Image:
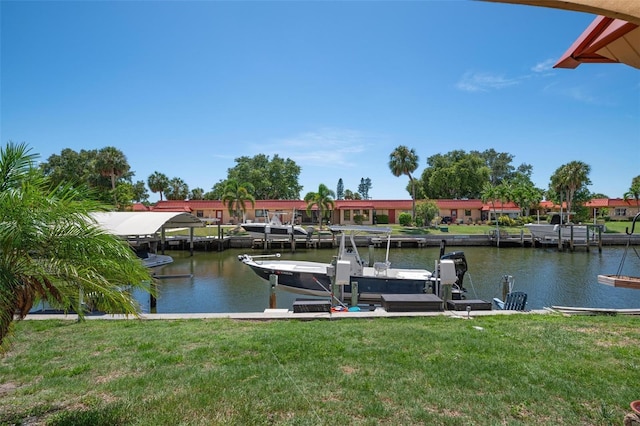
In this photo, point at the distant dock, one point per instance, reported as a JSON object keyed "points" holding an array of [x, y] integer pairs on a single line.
{"points": [[418, 241]]}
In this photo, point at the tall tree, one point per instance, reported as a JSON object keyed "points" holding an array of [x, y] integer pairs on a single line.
{"points": [[70, 166], [177, 189], [323, 200], [456, 174], [570, 178], [196, 194], [158, 182], [217, 191], [634, 191], [364, 187], [340, 190], [525, 194], [504, 191], [490, 194], [124, 194], [112, 163], [51, 250], [499, 164], [348, 194], [140, 193], [236, 196], [404, 161], [87, 168], [272, 179]]}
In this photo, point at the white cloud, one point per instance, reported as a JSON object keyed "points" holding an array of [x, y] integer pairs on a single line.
{"points": [[543, 66], [324, 148], [484, 82]]}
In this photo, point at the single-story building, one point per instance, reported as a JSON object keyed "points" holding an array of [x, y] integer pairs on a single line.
{"points": [[346, 212]]}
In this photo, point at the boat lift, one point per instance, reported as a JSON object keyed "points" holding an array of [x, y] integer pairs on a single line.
{"points": [[619, 280]]}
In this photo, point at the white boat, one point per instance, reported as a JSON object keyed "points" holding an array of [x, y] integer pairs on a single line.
{"points": [[551, 231], [274, 229], [315, 278], [152, 260]]}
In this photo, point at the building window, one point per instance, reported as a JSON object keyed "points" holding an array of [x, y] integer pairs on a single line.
{"points": [[467, 212], [199, 213], [365, 213], [347, 215], [620, 212], [262, 213]]}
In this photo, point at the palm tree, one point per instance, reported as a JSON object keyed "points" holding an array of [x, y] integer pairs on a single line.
{"points": [[490, 193], [51, 249], [634, 191], [196, 194], [323, 199], [404, 161], [504, 191], [111, 162], [236, 196], [158, 182], [568, 179], [177, 189]]}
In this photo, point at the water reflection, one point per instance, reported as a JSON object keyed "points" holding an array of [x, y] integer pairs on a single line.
{"points": [[220, 283]]}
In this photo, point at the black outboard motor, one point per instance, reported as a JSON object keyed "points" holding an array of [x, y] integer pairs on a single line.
{"points": [[460, 263]]}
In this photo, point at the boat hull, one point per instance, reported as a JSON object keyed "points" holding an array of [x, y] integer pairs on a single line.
{"points": [[259, 230], [314, 281]]}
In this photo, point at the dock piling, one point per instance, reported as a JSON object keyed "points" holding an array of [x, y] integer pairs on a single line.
{"points": [[273, 280]]}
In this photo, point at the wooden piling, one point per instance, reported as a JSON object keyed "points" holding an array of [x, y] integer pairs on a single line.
{"points": [[152, 300], [273, 280], [571, 244]]}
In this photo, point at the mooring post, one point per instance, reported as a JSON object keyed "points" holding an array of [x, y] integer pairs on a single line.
{"points": [[600, 238], [354, 293], [505, 287], [371, 259], [191, 240], [571, 246], [588, 241], [559, 237], [152, 299], [273, 280]]}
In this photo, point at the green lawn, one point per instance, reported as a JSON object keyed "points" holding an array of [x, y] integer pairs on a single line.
{"points": [[495, 370]]}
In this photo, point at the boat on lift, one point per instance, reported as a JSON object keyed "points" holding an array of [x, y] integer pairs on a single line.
{"points": [[549, 232], [274, 228], [315, 278]]}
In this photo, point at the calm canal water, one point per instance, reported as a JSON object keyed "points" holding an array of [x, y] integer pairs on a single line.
{"points": [[220, 283]]}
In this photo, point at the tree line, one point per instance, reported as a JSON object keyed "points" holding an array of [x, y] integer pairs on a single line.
{"points": [[487, 175]]}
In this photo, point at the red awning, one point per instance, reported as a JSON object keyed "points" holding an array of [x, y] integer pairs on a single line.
{"points": [[606, 40]]}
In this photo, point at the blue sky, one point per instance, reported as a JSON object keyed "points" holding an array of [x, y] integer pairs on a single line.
{"points": [[184, 88]]}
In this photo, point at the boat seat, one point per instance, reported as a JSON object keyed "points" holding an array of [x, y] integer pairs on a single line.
{"points": [[515, 301], [380, 268]]}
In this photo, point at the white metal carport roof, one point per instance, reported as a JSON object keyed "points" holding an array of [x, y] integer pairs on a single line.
{"points": [[126, 224]]}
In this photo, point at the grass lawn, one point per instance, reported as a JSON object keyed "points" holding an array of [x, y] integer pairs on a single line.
{"points": [[496, 370]]}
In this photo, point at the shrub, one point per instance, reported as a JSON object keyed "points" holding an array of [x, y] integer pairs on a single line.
{"points": [[358, 219], [506, 221], [382, 219], [405, 219]]}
